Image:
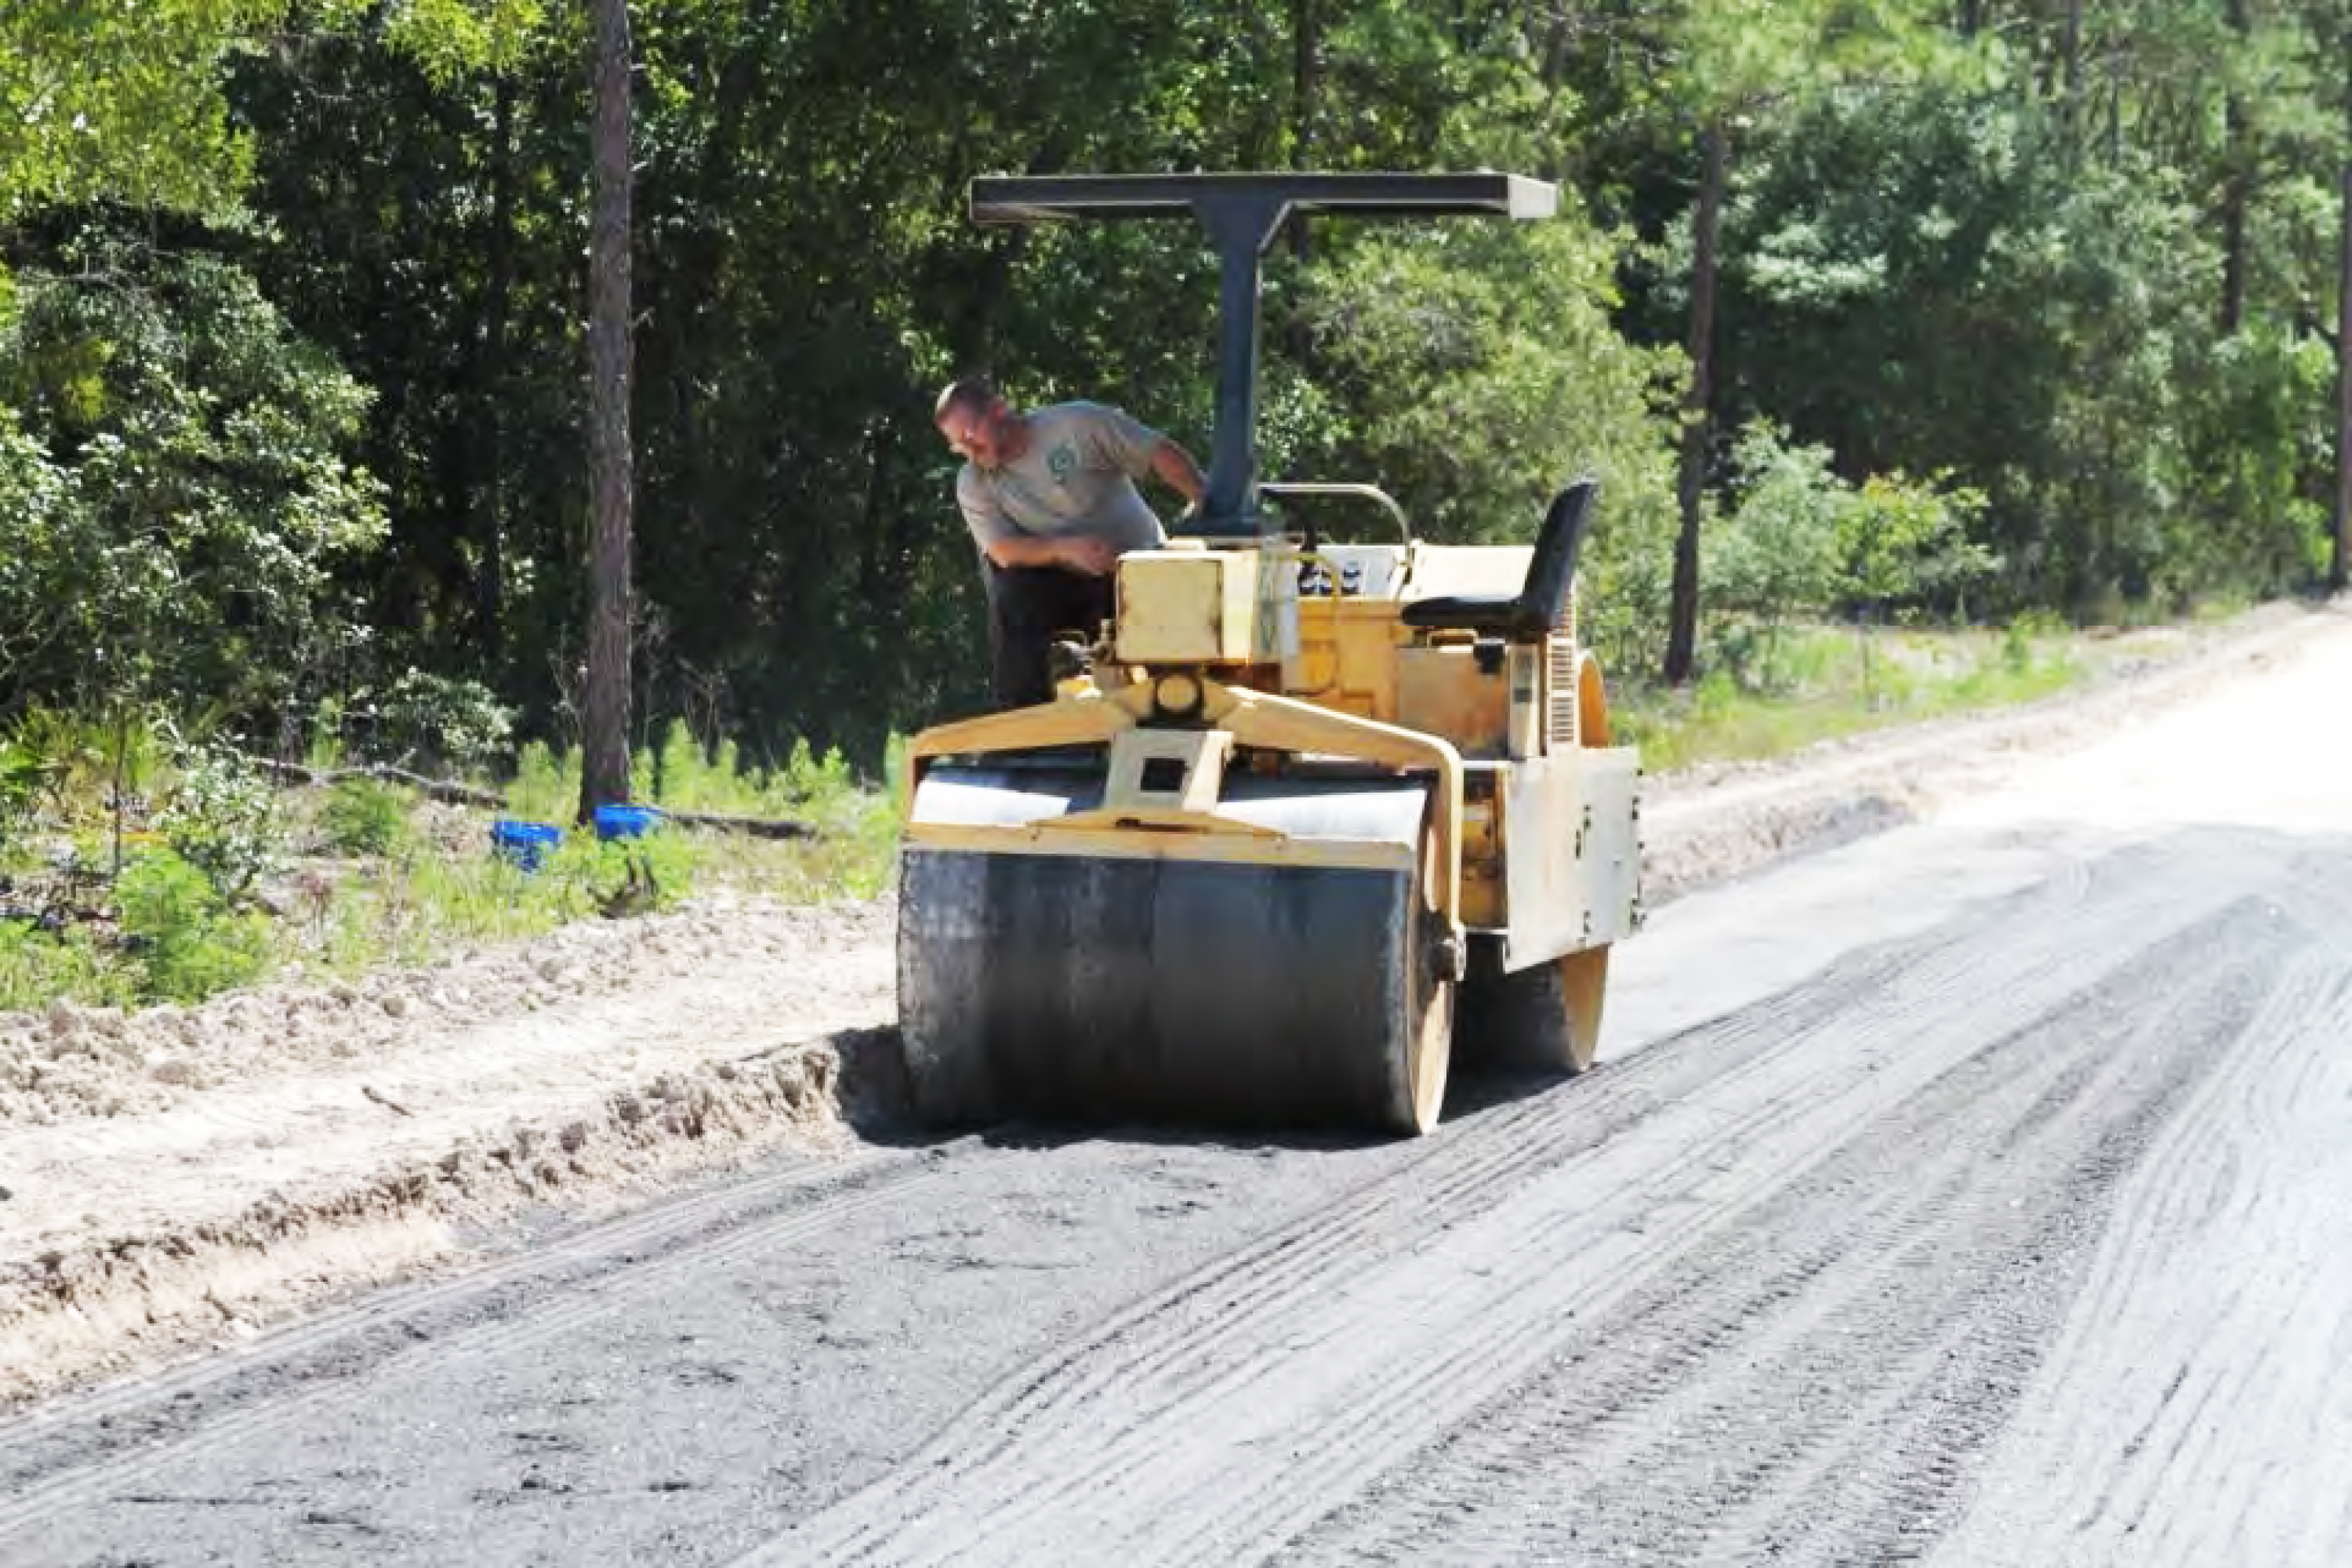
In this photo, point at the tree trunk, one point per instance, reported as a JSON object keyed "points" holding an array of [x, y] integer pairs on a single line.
{"points": [[2339, 567], [1682, 629], [1306, 75], [2070, 77], [604, 718], [2237, 182], [490, 477]]}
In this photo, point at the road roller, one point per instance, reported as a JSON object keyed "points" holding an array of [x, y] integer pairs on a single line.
{"points": [[1322, 804]]}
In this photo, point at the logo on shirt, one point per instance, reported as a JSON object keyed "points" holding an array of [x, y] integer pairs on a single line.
{"points": [[1062, 462]]}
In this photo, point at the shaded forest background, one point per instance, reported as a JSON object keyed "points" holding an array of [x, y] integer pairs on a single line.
{"points": [[2003, 306]]}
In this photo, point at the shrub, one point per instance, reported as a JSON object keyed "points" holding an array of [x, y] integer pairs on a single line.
{"points": [[183, 933], [36, 967], [440, 721], [546, 786], [221, 819], [365, 816], [620, 876], [22, 774]]}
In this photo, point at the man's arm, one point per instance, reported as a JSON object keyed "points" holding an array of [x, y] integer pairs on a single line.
{"points": [[1175, 468], [1004, 543], [1079, 553]]}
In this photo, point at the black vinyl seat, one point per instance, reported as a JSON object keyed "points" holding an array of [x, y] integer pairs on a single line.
{"points": [[1531, 613]]}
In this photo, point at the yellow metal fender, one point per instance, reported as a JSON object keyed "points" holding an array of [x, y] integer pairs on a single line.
{"points": [[1260, 718]]}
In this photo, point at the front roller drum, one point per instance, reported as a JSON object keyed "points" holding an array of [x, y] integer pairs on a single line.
{"points": [[1102, 989]]}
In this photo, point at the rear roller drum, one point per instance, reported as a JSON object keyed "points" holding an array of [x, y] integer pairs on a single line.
{"points": [[1543, 1018]]}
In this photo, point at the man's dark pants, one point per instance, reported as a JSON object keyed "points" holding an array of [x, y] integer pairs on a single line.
{"points": [[1027, 605]]}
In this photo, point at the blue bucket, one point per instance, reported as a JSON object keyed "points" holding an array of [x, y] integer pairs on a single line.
{"points": [[627, 821], [524, 843]]}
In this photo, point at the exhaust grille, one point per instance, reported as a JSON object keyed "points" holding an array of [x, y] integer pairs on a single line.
{"points": [[1559, 678]]}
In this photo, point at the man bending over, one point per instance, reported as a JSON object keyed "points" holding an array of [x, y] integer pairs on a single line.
{"points": [[1051, 500]]}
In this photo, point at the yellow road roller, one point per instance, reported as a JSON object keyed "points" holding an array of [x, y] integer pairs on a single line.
{"points": [[1307, 816]]}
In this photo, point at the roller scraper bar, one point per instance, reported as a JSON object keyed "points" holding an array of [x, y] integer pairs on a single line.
{"points": [[1243, 213]]}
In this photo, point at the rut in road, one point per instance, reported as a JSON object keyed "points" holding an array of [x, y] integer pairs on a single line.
{"points": [[1818, 1230]]}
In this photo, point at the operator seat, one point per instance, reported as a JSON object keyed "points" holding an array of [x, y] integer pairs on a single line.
{"points": [[1528, 615]]}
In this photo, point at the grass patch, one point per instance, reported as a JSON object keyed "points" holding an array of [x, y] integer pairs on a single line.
{"points": [[225, 880], [1807, 685]]}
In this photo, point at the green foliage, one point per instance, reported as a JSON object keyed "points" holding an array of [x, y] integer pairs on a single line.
{"points": [[1478, 372], [434, 722], [120, 99], [365, 817], [546, 786], [588, 877], [222, 821], [24, 773], [2252, 521], [38, 966], [1778, 555], [187, 939], [1933, 280], [1905, 542], [1802, 542], [76, 758], [1823, 682], [448, 39], [173, 453]]}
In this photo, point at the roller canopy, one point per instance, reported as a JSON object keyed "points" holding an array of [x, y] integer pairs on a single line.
{"points": [[1243, 213], [1012, 198]]}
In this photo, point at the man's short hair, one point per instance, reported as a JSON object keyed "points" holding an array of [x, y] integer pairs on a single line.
{"points": [[972, 394]]}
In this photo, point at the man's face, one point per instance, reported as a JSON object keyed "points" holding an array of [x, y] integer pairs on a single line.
{"points": [[980, 435]]}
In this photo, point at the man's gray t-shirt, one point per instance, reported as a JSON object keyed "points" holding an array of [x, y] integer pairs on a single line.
{"points": [[1077, 478]]}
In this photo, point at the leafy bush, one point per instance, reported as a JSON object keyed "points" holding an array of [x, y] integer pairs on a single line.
{"points": [[365, 817], [1802, 542], [187, 938], [171, 470], [1904, 542], [222, 820], [36, 967], [439, 721], [78, 757], [621, 877], [22, 774]]}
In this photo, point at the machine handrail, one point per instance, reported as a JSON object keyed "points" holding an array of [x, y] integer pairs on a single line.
{"points": [[1343, 488]]}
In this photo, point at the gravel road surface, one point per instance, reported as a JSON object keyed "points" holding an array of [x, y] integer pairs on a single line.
{"points": [[1974, 1193]]}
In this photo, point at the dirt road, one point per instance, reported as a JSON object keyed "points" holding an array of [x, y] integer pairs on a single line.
{"points": [[1973, 1193]]}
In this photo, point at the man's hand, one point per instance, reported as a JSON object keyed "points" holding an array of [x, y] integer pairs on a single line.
{"points": [[1095, 557]]}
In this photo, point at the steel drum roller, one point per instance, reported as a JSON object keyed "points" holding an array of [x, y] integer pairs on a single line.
{"points": [[1183, 982]]}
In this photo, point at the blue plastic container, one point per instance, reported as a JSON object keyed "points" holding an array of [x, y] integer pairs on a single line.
{"points": [[524, 843], [627, 821]]}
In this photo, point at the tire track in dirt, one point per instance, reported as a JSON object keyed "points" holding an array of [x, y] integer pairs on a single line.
{"points": [[1817, 1387], [2222, 1288], [75, 1453], [1223, 1416]]}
